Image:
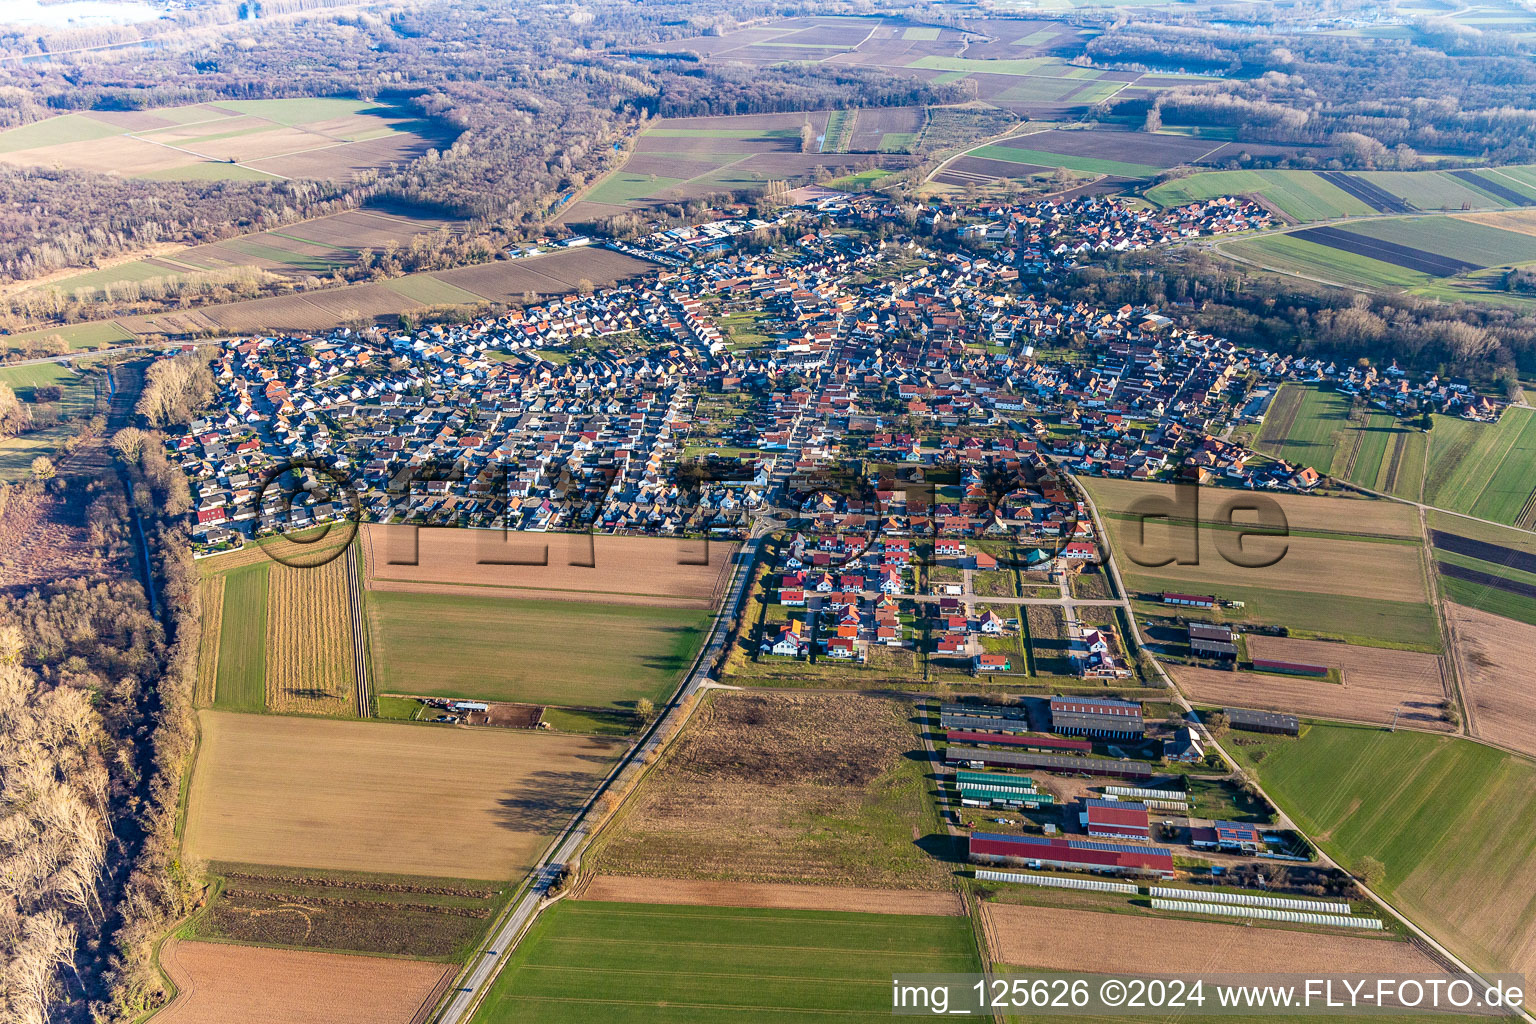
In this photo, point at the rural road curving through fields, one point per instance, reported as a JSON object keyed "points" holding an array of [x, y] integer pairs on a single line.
{"points": [[461, 1002]]}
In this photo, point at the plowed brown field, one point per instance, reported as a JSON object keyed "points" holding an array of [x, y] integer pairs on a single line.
{"points": [[372, 796], [219, 984], [1495, 656], [580, 567], [620, 889], [1376, 683], [1085, 941]]}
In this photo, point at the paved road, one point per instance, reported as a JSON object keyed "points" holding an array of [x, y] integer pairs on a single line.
{"points": [[1283, 819], [460, 1004]]}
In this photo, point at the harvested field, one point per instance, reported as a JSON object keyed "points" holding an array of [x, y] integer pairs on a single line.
{"points": [[1523, 221], [309, 641], [1303, 512], [675, 891], [1088, 942], [1131, 147], [796, 788], [322, 793], [218, 983], [551, 566], [1494, 656], [1376, 683], [211, 599]]}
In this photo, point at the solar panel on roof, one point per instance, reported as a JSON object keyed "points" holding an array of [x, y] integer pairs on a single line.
{"points": [[1088, 844]]}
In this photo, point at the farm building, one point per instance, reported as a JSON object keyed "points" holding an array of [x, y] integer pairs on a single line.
{"points": [[982, 789], [1096, 716], [1263, 721], [1189, 600], [1230, 836], [1208, 640], [1185, 746], [983, 723], [985, 710], [1017, 740], [1116, 819], [1071, 854], [1063, 763], [1289, 668]]}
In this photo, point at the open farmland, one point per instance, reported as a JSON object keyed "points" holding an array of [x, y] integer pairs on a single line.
{"points": [[217, 983], [677, 159], [694, 893], [241, 669], [1301, 195], [642, 964], [1049, 938], [555, 566], [322, 793], [1453, 821], [1305, 513], [236, 139], [1319, 427], [1485, 470], [785, 788], [394, 915], [1378, 686], [568, 653], [309, 641], [1494, 656]]}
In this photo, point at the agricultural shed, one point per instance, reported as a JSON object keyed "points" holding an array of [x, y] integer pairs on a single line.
{"points": [[1071, 854], [1049, 762]]}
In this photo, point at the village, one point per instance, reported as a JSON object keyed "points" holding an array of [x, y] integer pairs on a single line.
{"points": [[587, 412]]}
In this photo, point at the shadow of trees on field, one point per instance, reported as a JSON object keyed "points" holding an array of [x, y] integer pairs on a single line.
{"points": [[544, 795]]}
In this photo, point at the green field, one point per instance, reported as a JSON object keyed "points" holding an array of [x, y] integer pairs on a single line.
{"points": [[839, 131], [1400, 624], [860, 180], [1432, 190], [242, 675], [624, 187], [641, 963], [1453, 822], [23, 379], [1038, 90], [1485, 470], [1087, 165], [1288, 254], [593, 655], [99, 334], [1301, 194], [428, 289], [78, 400], [55, 131], [923, 33], [1315, 427], [1045, 67], [1451, 236], [1488, 598], [307, 109]]}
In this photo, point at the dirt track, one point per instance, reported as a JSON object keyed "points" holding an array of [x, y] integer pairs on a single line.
{"points": [[221, 983], [1078, 940], [618, 889]]}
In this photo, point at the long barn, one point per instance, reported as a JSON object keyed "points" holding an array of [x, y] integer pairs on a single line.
{"points": [[1018, 740], [1071, 854], [1049, 762]]}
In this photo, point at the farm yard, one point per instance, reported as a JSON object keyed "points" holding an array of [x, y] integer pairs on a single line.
{"points": [[568, 653], [321, 793], [1050, 938], [709, 965], [785, 788], [1378, 686], [1495, 657], [233, 139], [553, 566], [217, 982], [1452, 821]]}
